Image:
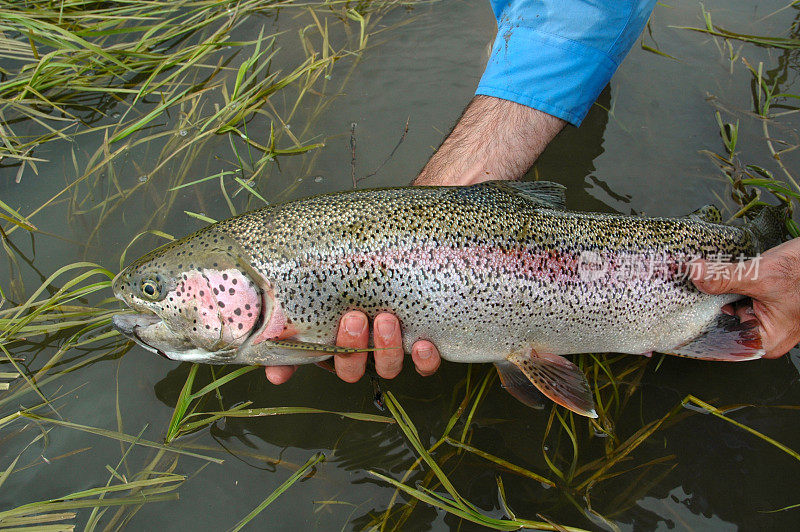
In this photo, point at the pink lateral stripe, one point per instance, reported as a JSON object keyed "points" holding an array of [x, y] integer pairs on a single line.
{"points": [[552, 266]]}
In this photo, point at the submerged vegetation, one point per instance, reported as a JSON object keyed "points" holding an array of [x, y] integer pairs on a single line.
{"points": [[130, 98]]}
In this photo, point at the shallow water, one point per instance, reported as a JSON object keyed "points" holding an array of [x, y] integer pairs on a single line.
{"points": [[642, 157]]}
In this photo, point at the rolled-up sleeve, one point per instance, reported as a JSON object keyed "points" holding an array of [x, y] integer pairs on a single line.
{"points": [[558, 55]]}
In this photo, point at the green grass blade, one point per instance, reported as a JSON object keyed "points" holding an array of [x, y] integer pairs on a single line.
{"points": [[117, 436], [314, 460]]}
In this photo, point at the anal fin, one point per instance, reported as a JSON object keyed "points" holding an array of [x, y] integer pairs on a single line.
{"points": [[726, 338], [519, 385], [559, 379]]}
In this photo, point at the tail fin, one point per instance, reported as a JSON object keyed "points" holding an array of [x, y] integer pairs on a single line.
{"points": [[767, 227], [725, 338]]}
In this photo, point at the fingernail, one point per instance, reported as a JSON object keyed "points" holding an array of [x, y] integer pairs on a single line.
{"points": [[355, 324], [425, 352], [385, 327]]}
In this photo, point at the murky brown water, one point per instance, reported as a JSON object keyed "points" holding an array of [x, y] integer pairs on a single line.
{"points": [[643, 156]]}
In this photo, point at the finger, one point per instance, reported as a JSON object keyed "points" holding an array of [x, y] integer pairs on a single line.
{"points": [[778, 334], [777, 341], [426, 357], [353, 333], [388, 341], [279, 374], [725, 278], [782, 347]]}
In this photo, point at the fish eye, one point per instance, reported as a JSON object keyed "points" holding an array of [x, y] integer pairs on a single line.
{"points": [[151, 289]]}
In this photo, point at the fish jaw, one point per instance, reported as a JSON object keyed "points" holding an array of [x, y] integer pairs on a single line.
{"points": [[150, 332]]}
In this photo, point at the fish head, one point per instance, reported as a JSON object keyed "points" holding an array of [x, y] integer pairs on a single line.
{"points": [[195, 299]]}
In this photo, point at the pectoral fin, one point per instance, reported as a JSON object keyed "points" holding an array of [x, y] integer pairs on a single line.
{"points": [[519, 385], [558, 379]]}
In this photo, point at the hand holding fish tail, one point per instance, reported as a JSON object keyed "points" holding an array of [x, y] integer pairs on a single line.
{"points": [[387, 337], [773, 287]]}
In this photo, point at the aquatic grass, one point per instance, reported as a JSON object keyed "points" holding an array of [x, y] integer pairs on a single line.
{"points": [[187, 419], [58, 314], [649, 32], [720, 413], [460, 407], [128, 38], [51, 309], [455, 503], [81, 41], [149, 491], [505, 464], [748, 180], [765, 96], [122, 437], [14, 217], [187, 399], [6, 377], [759, 40], [155, 486], [296, 476], [785, 508]]}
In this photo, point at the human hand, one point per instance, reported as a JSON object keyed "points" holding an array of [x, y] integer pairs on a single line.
{"points": [[354, 333], [773, 288]]}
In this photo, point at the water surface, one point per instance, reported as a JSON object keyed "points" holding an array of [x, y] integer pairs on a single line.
{"points": [[638, 151]]}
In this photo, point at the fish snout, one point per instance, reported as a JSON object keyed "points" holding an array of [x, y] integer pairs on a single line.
{"points": [[127, 323]]}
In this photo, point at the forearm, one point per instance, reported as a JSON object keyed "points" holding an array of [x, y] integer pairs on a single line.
{"points": [[493, 139]]}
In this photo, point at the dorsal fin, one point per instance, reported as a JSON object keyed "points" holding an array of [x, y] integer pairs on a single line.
{"points": [[707, 213], [543, 193]]}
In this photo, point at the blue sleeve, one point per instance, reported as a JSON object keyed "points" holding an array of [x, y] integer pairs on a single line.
{"points": [[557, 55]]}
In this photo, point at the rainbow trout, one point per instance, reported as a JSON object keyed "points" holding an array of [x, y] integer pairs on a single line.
{"points": [[496, 272]]}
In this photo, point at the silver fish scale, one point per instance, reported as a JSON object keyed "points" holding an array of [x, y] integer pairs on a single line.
{"points": [[481, 271]]}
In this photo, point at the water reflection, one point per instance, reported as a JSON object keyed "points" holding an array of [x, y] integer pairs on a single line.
{"points": [[570, 160]]}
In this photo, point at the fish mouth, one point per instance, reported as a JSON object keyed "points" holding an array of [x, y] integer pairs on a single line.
{"points": [[132, 325], [128, 324]]}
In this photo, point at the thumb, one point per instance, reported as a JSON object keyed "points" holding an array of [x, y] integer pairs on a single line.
{"points": [[725, 277]]}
